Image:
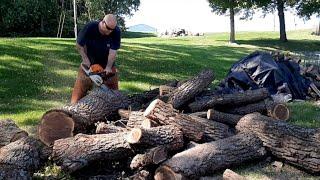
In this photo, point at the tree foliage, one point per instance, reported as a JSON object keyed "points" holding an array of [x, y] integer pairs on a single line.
{"points": [[308, 8]]}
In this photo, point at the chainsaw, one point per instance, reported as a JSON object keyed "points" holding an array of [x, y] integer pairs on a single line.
{"points": [[97, 77]]}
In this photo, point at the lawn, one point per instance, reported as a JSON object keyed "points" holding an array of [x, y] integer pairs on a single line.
{"points": [[38, 73]]}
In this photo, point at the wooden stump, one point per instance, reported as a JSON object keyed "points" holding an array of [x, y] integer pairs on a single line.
{"points": [[103, 128], [297, 145], [233, 100], [209, 157], [191, 88], [61, 123], [76, 152], [10, 132], [226, 118], [151, 156]]}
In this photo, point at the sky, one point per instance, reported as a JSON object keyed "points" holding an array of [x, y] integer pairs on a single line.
{"points": [[196, 16]]}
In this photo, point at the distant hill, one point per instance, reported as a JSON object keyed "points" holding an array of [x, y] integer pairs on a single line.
{"points": [[142, 28]]}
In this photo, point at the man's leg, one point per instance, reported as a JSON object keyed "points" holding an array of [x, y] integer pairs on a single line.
{"points": [[113, 83], [81, 86]]}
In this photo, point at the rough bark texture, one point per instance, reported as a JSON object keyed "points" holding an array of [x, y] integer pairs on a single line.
{"points": [[141, 175], [202, 114], [164, 114], [191, 88], [10, 132], [226, 118], [229, 99], [124, 113], [103, 128], [20, 159], [77, 152], [151, 156], [209, 157], [169, 136], [135, 119], [164, 90], [230, 175], [297, 145]]}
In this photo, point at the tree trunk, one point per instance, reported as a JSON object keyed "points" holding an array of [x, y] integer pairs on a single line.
{"points": [[230, 119], [299, 146], [10, 132], [76, 152], [76, 118], [20, 159], [208, 157], [230, 175], [318, 29], [151, 156], [230, 100], [232, 29], [103, 128], [191, 88], [280, 7], [164, 114]]}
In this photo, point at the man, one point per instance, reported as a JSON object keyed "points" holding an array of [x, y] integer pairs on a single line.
{"points": [[97, 44]]}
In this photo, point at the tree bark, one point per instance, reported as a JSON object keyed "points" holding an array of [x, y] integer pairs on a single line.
{"points": [[124, 113], [191, 88], [76, 118], [164, 114], [20, 159], [141, 175], [10, 132], [103, 128], [209, 157], [280, 7], [226, 118], [155, 155], [76, 152], [232, 29], [299, 146], [230, 100], [136, 119], [230, 175]]}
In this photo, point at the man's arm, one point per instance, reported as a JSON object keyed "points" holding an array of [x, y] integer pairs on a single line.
{"points": [[111, 60], [82, 52]]}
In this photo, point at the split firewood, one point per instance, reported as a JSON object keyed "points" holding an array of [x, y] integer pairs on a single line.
{"points": [[164, 114], [297, 145], [191, 88], [151, 156], [71, 119], [20, 159], [168, 136], [103, 128], [226, 118], [230, 175], [10, 132], [234, 99], [76, 152], [124, 113], [206, 158]]}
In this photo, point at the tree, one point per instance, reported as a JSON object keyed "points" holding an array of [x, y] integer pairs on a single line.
{"points": [[307, 9], [232, 7]]}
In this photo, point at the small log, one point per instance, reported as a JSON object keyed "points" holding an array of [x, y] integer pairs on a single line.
{"points": [[233, 100], [206, 158], [297, 145], [124, 113], [165, 90], [164, 114], [148, 123], [199, 114], [169, 136], [71, 119], [230, 175], [20, 159], [141, 175], [76, 152], [135, 119], [226, 118], [10, 132], [103, 128], [151, 156], [191, 88]]}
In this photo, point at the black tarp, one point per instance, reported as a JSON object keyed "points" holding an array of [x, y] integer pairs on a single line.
{"points": [[259, 69]]}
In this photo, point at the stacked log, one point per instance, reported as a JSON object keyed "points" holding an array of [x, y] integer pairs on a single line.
{"points": [[10, 132]]}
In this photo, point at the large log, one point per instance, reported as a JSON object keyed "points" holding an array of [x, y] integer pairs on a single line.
{"points": [[206, 158], [191, 88], [165, 114], [76, 152], [20, 159], [297, 145], [71, 119], [226, 118], [230, 175], [154, 155], [235, 99], [10, 132]]}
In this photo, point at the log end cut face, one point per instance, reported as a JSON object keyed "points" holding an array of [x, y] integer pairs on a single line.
{"points": [[166, 173], [281, 112], [55, 125], [134, 136]]}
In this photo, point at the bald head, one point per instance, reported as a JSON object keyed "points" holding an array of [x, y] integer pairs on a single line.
{"points": [[111, 20]]}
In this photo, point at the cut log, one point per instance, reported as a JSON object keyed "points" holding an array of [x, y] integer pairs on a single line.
{"points": [[135, 119], [191, 88], [235, 99], [151, 156], [124, 113], [226, 118], [141, 175], [10, 132], [169, 136], [76, 152], [230, 175], [71, 119], [165, 90], [199, 114], [164, 114], [20, 159], [206, 158], [297, 145], [148, 123], [103, 128]]}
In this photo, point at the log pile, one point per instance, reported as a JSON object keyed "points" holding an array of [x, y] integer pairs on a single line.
{"points": [[183, 130]]}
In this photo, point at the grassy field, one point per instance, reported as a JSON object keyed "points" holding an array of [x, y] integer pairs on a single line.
{"points": [[38, 73]]}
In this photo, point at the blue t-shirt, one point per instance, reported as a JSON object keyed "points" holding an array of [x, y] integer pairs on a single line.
{"points": [[98, 45]]}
